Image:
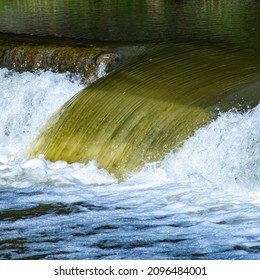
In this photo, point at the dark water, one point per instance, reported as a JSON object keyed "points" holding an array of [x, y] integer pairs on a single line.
{"points": [[234, 22], [201, 202]]}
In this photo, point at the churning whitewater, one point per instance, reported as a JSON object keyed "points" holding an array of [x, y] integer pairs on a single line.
{"points": [[202, 201]]}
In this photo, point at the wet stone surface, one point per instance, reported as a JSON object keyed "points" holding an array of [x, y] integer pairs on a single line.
{"points": [[89, 61]]}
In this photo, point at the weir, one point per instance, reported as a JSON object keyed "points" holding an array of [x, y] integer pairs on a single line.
{"points": [[141, 112], [27, 53]]}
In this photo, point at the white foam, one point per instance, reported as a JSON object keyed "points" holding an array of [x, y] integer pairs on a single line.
{"points": [[206, 193], [224, 153], [27, 101]]}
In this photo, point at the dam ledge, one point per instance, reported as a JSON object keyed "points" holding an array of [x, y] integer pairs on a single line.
{"points": [[89, 60]]}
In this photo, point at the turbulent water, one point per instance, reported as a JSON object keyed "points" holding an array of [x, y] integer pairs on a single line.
{"points": [[201, 202]]}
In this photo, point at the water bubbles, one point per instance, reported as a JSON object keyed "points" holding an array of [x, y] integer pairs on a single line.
{"points": [[226, 151], [201, 198], [101, 70], [31, 99], [7, 131]]}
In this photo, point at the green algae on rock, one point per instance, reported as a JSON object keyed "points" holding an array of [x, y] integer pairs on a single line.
{"points": [[90, 63]]}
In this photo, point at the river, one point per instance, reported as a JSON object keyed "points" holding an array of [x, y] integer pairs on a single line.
{"points": [[200, 201]]}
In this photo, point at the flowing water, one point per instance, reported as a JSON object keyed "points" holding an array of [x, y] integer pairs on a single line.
{"points": [[201, 201]]}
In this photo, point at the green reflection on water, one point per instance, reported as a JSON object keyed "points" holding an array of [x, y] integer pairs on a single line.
{"points": [[113, 20]]}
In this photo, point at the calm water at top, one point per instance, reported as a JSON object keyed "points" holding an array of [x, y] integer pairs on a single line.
{"points": [[235, 22]]}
